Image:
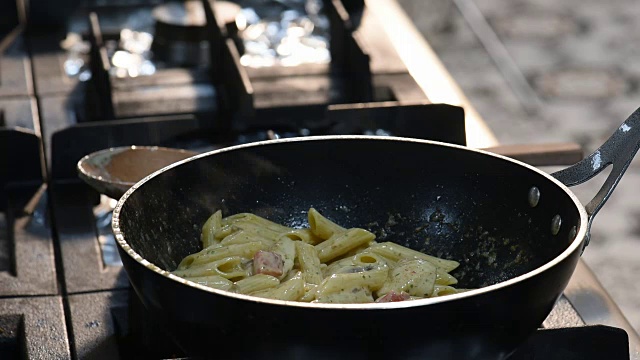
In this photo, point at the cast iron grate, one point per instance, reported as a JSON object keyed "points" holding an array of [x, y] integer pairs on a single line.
{"points": [[15, 71], [73, 202], [114, 325], [27, 265], [33, 328]]}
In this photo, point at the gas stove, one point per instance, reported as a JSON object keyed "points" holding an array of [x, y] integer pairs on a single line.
{"points": [[87, 75]]}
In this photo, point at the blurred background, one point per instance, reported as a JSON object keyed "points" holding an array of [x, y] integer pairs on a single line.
{"points": [[547, 71]]}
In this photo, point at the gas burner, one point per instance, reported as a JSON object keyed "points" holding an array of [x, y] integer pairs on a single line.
{"points": [[130, 57], [77, 50], [295, 33]]}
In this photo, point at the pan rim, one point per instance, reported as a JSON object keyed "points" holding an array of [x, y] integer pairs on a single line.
{"points": [[575, 243]]}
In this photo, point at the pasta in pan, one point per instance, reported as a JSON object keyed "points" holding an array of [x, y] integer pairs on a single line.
{"points": [[325, 263]]}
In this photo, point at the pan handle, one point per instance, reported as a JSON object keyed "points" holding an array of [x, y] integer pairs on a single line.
{"points": [[618, 151]]}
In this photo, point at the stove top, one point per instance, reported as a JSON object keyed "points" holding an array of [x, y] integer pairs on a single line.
{"points": [[117, 320], [88, 76]]}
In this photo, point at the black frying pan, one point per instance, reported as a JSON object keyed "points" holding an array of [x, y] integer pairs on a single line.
{"points": [[517, 232]]}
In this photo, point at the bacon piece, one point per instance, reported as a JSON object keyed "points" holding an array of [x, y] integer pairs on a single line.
{"points": [[268, 263], [393, 296]]}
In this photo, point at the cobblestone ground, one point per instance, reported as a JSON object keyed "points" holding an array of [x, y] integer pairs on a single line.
{"points": [[579, 62]]}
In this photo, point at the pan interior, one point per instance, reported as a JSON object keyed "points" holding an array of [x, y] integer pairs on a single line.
{"points": [[445, 201]]}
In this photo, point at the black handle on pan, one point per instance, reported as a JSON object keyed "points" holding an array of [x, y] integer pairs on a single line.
{"points": [[618, 151]]}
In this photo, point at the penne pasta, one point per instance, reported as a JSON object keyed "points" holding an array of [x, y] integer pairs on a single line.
{"points": [[323, 227], [287, 250], [246, 250], [256, 283], [309, 262], [357, 295], [396, 252], [291, 290], [359, 249], [338, 266], [228, 268], [259, 230], [304, 235], [248, 218], [444, 278], [310, 292], [248, 254], [214, 281], [209, 229], [356, 263], [188, 260], [342, 243], [225, 231], [373, 280], [414, 277], [246, 236], [440, 290], [369, 259]]}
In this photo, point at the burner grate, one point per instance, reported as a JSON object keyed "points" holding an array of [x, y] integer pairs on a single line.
{"points": [[33, 328], [73, 202], [117, 324], [15, 71], [27, 266], [579, 343]]}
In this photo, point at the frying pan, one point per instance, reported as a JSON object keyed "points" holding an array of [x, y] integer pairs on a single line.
{"points": [[516, 231]]}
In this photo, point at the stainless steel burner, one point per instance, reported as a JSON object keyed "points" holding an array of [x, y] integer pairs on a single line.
{"points": [[298, 35]]}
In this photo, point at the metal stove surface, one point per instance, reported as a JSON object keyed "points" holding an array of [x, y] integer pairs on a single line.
{"points": [[114, 325]]}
